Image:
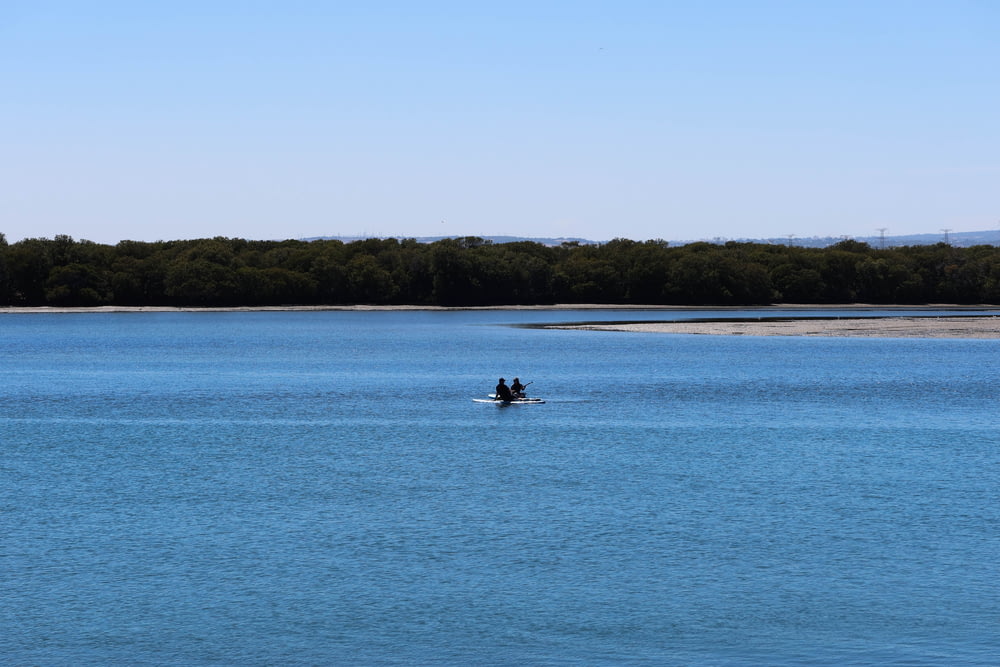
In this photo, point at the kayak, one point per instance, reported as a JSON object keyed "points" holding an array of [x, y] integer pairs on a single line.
{"points": [[516, 401], [523, 399]]}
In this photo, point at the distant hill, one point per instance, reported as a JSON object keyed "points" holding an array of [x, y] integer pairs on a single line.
{"points": [[495, 239], [957, 239]]}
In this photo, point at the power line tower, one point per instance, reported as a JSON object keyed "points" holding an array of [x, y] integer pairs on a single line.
{"points": [[881, 237], [946, 236]]}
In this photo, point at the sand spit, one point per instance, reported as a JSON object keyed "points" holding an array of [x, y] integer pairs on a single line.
{"points": [[556, 306], [861, 327], [908, 326], [356, 308]]}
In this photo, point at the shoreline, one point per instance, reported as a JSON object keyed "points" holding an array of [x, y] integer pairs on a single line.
{"points": [[970, 326], [977, 326], [23, 310]]}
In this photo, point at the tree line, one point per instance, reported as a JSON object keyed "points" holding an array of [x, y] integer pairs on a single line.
{"points": [[472, 271]]}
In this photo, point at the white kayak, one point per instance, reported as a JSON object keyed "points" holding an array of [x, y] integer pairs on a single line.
{"points": [[517, 401]]}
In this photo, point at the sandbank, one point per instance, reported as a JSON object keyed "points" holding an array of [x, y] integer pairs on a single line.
{"points": [[357, 308], [901, 326], [859, 327], [556, 307]]}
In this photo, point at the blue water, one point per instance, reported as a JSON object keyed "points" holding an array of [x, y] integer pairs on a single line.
{"points": [[319, 488]]}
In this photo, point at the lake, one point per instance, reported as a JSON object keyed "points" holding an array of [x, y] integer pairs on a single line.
{"points": [[319, 488]]}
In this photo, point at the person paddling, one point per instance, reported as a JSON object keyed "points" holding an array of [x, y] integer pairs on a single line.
{"points": [[503, 392], [517, 389]]}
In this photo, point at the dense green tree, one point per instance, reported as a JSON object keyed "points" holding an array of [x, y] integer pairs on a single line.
{"points": [[701, 277], [369, 282], [6, 295], [29, 263], [410, 268], [531, 278], [473, 271], [77, 285], [330, 275], [200, 282], [796, 283], [455, 283], [838, 272]]}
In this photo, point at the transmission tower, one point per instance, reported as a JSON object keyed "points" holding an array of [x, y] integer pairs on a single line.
{"points": [[881, 237]]}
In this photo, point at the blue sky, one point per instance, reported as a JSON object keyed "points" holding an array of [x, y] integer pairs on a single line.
{"points": [[624, 118]]}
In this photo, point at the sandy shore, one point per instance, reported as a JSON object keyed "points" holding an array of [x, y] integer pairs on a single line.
{"points": [[556, 306], [363, 308], [873, 327], [908, 326]]}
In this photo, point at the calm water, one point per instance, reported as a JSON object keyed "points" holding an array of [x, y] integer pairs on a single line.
{"points": [[319, 488]]}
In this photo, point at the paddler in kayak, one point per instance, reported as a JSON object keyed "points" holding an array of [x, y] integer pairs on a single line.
{"points": [[503, 392], [517, 389]]}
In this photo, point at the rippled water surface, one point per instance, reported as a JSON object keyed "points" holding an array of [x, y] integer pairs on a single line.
{"points": [[319, 488]]}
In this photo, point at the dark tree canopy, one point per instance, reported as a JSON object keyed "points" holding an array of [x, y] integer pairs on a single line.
{"points": [[471, 271]]}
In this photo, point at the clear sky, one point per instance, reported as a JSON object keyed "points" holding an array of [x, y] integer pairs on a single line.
{"points": [[595, 119]]}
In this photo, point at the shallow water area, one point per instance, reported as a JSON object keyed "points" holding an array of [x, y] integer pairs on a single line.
{"points": [[320, 488]]}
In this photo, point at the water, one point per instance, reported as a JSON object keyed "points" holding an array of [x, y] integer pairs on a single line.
{"points": [[318, 488]]}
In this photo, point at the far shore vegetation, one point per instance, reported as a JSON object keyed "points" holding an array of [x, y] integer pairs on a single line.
{"points": [[471, 271]]}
